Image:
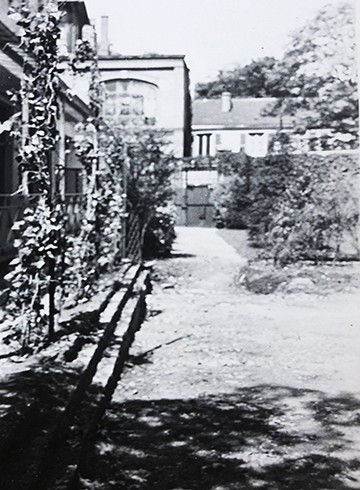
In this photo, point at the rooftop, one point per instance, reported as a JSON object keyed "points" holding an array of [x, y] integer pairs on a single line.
{"points": [[244, 113], [146, 56]]}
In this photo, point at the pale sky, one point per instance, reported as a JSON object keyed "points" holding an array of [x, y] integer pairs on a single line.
{"points": [[213, 34]]}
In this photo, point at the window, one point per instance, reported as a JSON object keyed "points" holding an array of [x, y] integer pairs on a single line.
{"points": [[218, 139], [256, 144], [127, 98], [204, 144]]}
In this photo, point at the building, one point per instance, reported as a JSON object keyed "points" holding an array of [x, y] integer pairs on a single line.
{"points": [[72, 110], [223, 124], [155, 88], [152, 87], [235, 124]]}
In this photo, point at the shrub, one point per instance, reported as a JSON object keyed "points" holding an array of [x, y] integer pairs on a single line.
{"points": [[159, 235], [231, 196], [296, 207], [318, 211], [267, 184], [150, 169]]}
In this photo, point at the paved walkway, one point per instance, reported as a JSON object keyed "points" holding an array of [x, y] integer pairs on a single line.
{"points": [[230, 390]]}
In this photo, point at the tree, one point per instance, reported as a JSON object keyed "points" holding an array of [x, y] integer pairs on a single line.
{"points": [[319, 74], [257, 79], [316, 79]]}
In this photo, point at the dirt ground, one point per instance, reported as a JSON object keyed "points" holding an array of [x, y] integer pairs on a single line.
{"points": [[228, 389]]}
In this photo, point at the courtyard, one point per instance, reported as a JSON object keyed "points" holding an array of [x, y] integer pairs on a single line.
{"points": [[226, 389]]}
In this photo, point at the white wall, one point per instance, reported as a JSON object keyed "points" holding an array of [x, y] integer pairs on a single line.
{"points": [[253, 142], [169, 77]]}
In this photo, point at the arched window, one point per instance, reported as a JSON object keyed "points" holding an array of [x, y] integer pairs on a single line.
{"points": [[130, 98]]}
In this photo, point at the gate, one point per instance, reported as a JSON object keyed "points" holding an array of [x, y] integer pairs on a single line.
{"points": [[194, 183], [199, 210]]}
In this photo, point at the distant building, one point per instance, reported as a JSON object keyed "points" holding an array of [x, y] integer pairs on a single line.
{"points": [[245, 124], [235, 124]]}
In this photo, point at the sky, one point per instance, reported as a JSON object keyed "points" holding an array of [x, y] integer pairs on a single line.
{"points": [[213, 34]]}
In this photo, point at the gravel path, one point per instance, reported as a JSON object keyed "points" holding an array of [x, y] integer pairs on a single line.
{"points": [[231, 390]]}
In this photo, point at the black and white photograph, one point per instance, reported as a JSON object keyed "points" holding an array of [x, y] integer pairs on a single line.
{"points": [[179, 245]]}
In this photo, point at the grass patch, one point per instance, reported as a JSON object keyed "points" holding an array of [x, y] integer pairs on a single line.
{"points": [[263, 277], [238, 239]]}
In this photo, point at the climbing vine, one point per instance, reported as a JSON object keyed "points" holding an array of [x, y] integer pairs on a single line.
{"points": [[52, 266], [97, 247], [33, 275]]}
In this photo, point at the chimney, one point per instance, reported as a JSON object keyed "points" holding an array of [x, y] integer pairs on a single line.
{"points": [[104, 48], [226, 102]]}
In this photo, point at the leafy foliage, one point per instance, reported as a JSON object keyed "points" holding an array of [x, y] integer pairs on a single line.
{"points": [[97, 246], [231, 196], [149, 167], [319, 75], [38, 247], [52, 265], [296, 207], [33, 276], [316, 79], [39, 93], [149, 174], [317, 212], [159, 235], [257, 79]]}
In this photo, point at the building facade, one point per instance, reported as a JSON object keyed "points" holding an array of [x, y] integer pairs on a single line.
{"points": [[153, 88], [235, 124]]}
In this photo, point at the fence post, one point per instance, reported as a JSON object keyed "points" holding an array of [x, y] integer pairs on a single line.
{"points": [[126, 162]]}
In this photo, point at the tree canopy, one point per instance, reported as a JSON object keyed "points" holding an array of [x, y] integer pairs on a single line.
{"points": [[319, 74], [253, 80], [316, 79]]}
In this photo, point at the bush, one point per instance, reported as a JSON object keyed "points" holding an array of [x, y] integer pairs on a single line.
{"points": [[159, 236], [231, 203], [231, 196], [318, 211], [295, 207]]}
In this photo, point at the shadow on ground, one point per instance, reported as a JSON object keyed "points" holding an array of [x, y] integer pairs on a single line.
{"points": [[263, 437], [181, 255], [30, 404]]}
